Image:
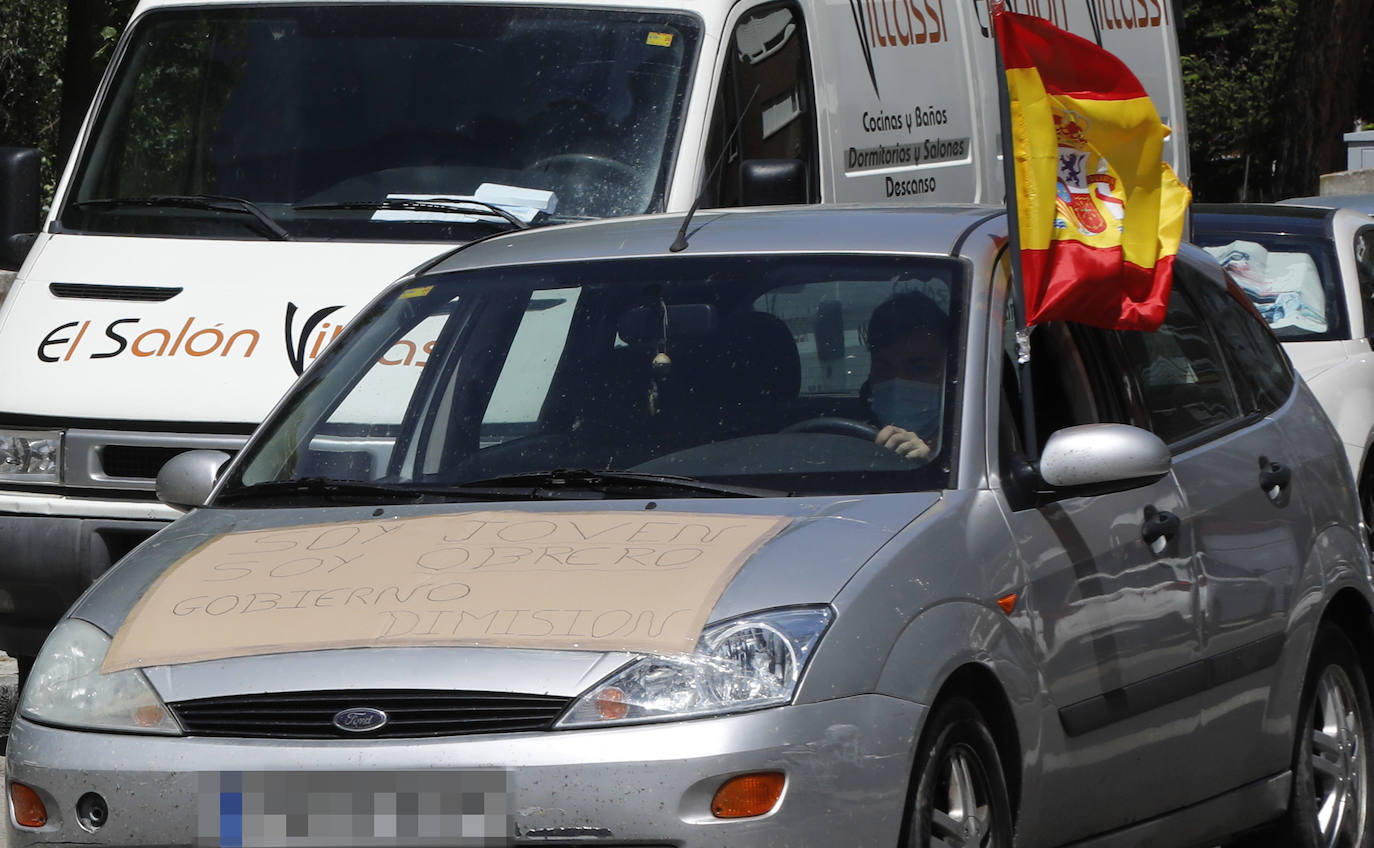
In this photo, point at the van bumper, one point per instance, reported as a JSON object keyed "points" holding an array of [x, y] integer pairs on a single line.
{"points": [[47, 561]]}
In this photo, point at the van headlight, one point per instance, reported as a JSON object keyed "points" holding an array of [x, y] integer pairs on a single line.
{"points": [[743, 664], [30, 456], [66, 687]]}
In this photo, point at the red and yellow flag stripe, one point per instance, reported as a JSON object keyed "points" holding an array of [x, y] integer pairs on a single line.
{"points": [[1100, 214]]}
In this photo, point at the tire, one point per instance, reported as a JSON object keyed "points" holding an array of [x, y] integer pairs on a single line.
{"points": [[959, 799], [1330, 803]]}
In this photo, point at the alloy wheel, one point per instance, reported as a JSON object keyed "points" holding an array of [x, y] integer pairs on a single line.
{"points": [[961, 814], [1339, 764]]}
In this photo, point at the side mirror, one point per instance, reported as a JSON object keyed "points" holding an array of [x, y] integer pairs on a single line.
{"points": [[772, 182], [19, 204], [186, 479], [1095, 459]]}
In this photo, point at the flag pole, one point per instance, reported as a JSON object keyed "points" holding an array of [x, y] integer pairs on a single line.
{"points": [[1017, 293], [1097, 27]]}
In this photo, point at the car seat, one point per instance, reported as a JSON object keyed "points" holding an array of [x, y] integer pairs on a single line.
{"points": [[737, 381]]}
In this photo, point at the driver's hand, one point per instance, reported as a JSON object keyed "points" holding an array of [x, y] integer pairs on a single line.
{"points": [[904, 442]]}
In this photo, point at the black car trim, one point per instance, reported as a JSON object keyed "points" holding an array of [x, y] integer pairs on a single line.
{"points": [[1174, 685]]}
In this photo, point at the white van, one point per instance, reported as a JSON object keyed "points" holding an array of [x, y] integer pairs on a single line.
{"points": [[251, 173]]}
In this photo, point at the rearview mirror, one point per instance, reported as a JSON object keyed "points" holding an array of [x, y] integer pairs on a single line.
{"points": [[186, 479], [19, 204]]}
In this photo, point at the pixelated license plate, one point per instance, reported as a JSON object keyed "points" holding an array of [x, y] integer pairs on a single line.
{"points": [[287, 809]]}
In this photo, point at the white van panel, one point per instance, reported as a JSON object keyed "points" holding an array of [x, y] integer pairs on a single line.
{"points": [[902, 120], [97, 359]]}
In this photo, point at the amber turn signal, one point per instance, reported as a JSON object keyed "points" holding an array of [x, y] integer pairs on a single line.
{"points": [[28, 807], [610, 704], [748, 795]]}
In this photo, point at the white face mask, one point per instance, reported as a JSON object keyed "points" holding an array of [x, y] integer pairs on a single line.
{"points": [[909, 404]]}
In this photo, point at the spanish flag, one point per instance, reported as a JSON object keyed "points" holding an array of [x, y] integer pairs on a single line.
{"points": [[1098, 211]]}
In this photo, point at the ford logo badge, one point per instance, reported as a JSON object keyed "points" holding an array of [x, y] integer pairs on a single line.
{"points": [[359, 719]]}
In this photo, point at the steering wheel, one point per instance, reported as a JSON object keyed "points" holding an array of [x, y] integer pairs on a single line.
{"points": [[835, 426], [572, 161]]}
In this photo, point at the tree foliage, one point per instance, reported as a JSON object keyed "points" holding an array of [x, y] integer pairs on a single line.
{"points": [[1271, 89], [52, 54], [32, 37], [1234, 54]]}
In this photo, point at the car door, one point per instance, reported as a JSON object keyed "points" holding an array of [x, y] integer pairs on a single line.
{"points": [[1113, 606], [1241, 472]]}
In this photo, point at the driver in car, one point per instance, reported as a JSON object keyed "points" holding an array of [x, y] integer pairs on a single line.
{"points": [[905, 386]]}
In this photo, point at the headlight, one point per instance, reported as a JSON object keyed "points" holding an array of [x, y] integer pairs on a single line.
{"points": [[744, 664], [30, 456], [67, 688]]}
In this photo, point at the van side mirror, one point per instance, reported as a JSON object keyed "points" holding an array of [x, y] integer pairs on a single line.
{"points": [[186, 479], [772, 182], [1096, 459], [19, 204]]}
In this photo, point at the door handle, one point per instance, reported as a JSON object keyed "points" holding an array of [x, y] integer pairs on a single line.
{"points": [[1159, 528], [1274, 479]]}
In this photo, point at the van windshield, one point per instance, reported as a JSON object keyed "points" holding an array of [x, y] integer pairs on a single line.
{"points": [[349, 120], [751, 371]]}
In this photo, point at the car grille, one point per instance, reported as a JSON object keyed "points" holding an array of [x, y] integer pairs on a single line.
{"points": [[310, 715]]}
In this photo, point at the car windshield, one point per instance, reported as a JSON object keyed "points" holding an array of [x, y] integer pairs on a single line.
{"points": [[1291, 278], [758, 371], [350, 120]]}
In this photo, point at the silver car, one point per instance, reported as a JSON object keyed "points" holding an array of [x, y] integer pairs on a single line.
{"points": [[768, 531]]}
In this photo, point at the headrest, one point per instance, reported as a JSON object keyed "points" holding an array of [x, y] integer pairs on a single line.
{"points": [[760, 356]]}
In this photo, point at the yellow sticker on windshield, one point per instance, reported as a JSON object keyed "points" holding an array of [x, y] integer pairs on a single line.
{"points": [[659, 39], [418, 291]]}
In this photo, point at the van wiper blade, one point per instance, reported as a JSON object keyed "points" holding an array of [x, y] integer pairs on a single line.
{"points": [[457, 205], [350, 491], [212, 202], [576, 482]]}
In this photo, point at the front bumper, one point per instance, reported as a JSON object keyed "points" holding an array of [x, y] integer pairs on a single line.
{"points": [[846, 762]]}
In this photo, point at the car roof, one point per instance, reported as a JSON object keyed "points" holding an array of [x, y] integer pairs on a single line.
{"points": [[930, 230], [1360, 202], [1260, 218]]}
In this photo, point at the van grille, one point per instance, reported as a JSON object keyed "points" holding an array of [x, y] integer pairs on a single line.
{"points": [[417, 713], [129, 460], [132, 462]]}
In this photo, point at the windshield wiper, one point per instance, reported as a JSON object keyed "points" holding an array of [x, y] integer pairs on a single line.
{"points": [[576, 482], [351, 491], [212, 202], [457, 205]]}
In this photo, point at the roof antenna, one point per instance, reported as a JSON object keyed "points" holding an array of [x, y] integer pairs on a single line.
{"points": [[680, 243]]}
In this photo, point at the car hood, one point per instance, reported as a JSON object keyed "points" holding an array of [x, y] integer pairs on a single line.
{"points": [[822, 543], [1312, 359]]}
